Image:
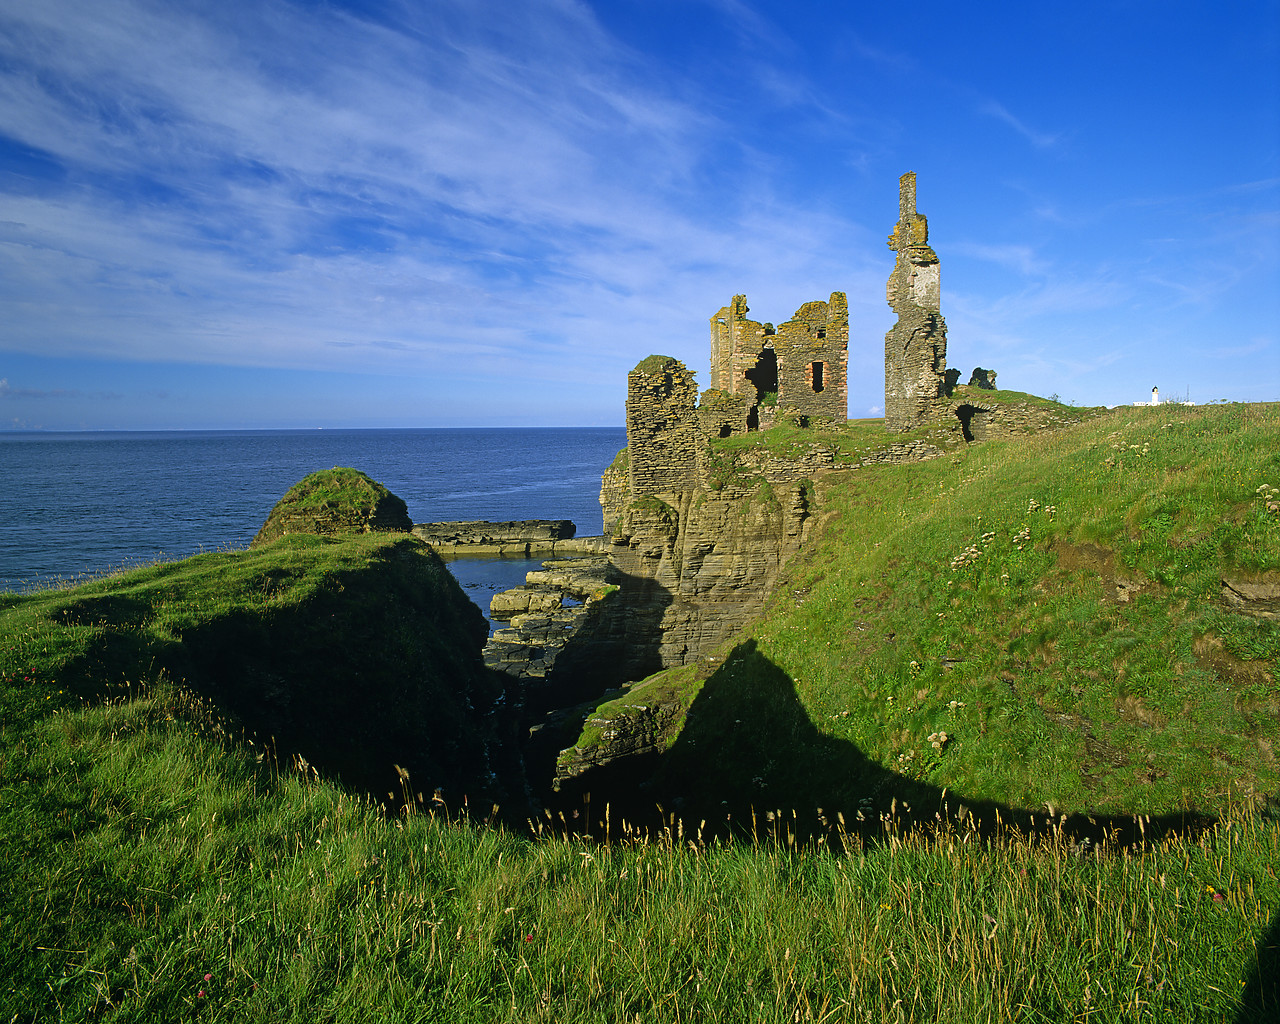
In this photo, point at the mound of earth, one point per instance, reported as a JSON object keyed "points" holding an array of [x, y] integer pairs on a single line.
{"points": [[334, 502]]}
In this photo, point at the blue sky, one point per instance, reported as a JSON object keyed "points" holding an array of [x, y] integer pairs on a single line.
{"points": [[468, 212]]}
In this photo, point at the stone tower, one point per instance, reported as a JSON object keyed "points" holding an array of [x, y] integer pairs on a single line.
{"points": [[663, 435], [915, 350]]}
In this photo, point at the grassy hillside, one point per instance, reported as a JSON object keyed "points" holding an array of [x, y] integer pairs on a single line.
{"points": [[157, 869], [353, 653], [159, 866], [1028, 622]]}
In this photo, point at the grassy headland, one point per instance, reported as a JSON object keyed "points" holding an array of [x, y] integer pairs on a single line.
{"points": [[1033, 622], [1053, 606]]}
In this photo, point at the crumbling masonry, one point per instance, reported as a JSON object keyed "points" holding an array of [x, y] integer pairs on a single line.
{"points": [[915, 350], [799, 371], [801, 367]]}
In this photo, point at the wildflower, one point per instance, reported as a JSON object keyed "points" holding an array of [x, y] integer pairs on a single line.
{"points": [[200, 994], [529, 937], [208, 977]]}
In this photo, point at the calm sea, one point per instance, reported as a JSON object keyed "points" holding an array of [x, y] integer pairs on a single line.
{"points": [[76, 503]]}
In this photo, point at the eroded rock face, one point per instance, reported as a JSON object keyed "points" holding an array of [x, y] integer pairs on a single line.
{"points": [[711, 560], [571, 635], [638, 733], [696, 552], [1259, 598], [915, 350], [334, 502]]}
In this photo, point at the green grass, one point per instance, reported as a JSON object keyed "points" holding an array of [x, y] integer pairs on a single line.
{"points": [[342, 650], [158, 868], [654, 364], [340, 487], [161, 864], [1051, 604]]}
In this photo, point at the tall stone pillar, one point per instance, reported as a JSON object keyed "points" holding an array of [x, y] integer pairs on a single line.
{"points": [[915, 350]]}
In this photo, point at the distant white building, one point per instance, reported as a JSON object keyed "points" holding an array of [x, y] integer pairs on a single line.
{"points": [[1155, 400]]}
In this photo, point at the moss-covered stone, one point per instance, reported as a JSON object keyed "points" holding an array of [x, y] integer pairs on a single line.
{"points": [[655, 364], [334, 502]]}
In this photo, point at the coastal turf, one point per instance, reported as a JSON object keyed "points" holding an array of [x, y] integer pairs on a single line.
{"points": [[160, 864], [1033, 623]]}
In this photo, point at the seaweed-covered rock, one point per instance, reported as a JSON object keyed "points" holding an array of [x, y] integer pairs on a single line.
{"points": [[334, 502]]}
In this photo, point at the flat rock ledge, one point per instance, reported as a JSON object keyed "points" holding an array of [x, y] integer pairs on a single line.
{"points": [[545, 613], [525, 538], [1259, 598]]}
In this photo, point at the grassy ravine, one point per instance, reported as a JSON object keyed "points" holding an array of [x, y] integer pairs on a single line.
{"points": [[155, 870], [159, 867]]}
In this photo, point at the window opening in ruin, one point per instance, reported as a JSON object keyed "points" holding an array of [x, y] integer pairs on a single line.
{"points": [[817, 377], [764, 375], [802, 422], [725, 430], [973, 421], [822, 333], [753, 418]]}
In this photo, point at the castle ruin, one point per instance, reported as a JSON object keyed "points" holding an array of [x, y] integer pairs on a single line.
{"points": [[915, 350], [663, 431], [799, 371], [801, 366]]}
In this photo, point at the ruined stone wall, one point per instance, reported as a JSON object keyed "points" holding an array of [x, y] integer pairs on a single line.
{"points": [[727, 327], [804, 363], [813, 359], [663, 435], [915, 350], [736, 344], [969, 413], [721, 414]]}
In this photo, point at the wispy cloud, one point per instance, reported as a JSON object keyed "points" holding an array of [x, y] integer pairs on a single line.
{"points": [[268, 189], [524, 199], [7, 391], [1039, 139], [1019, 258]]}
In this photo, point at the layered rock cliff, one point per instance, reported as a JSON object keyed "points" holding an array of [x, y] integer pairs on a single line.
{"points": [[698, 565]]}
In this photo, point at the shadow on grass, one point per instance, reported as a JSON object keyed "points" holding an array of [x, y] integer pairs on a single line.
{"points": [[1261, 999], [749, 762], [378, 667]]}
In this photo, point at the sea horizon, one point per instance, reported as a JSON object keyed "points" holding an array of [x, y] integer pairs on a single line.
{"points": [[87, 502]]}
